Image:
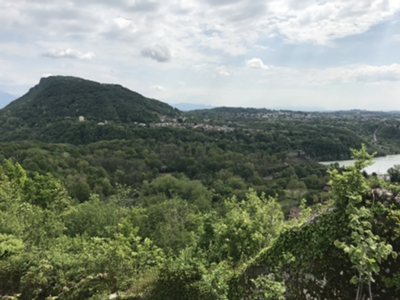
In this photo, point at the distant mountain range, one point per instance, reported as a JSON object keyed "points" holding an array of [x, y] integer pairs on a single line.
{"points": [[6, 98], [191, 106]]}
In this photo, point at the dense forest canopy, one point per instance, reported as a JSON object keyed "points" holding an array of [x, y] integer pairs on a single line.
{"points": [[58, 98], [168, 240], [50, 113], [227, 203]]}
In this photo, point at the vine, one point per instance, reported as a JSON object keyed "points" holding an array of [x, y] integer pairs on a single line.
{"points": [[365, 249], [304, 265]]}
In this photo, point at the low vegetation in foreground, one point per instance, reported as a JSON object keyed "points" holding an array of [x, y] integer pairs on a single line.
{"points": [[170, 242]]}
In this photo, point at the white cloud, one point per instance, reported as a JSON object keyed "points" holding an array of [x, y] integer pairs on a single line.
{"points": [[45, 75], [353, 74], [338, 75], [256, 63], [261, 47], [372, 73], [122, 22], [201, 67], [158, 88], [158, 52], [66, 66], [223, 71], [68, 53], [193, 26], [322, 23]]}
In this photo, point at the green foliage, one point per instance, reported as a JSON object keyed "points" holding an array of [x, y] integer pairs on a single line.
{"points": [[192, 191], [58, 97], [92, 218], [268, 289], [365, 249], [100, 167], [303, 262], [172, 224], [182, 278], [93, 248], [79, 190], [351, 182], [166, 213], [37, 260], [248, 226], [9, 245], [394, 173]]}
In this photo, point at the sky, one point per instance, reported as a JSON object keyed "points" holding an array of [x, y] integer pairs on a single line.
{"points": [[338, 54]]}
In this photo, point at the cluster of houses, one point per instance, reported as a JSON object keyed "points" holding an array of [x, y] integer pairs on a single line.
{"points": [[173, 123], [362, 115], [222, 128], [274, 115], [165, 124]]}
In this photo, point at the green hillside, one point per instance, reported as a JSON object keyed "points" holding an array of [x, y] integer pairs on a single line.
{"points": [[58, 98]]}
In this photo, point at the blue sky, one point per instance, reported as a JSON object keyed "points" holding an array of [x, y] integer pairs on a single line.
{"points": [[337, 54]]}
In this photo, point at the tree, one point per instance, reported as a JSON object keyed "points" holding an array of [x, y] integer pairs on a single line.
{"points": [[394, 173], [282, 156], [248, 226], [79, 190], [172, 224], [365, 249]]}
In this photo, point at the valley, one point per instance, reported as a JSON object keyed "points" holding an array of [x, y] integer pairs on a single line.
{"points": [[106, 192]]}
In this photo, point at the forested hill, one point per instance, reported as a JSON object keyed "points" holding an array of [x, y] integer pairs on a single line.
{"points": [[58, 98], [50, 113]]}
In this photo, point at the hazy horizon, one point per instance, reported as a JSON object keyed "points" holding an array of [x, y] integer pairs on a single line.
{"points": [[6, 98]]}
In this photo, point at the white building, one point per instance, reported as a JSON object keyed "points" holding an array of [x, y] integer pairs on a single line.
{"points": [[81, 118]]}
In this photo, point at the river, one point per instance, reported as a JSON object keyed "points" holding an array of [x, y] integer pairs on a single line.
{"points": [[380, 166]]}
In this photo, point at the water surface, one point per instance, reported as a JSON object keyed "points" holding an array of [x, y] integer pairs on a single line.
{"points": [[380, 166]]}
